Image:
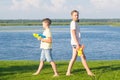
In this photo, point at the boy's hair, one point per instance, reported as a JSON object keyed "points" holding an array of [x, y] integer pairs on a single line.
{"points": [[74, 11], [47, 20]]}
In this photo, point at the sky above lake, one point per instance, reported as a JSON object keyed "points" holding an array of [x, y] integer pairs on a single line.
{"points": [[58, 9]]}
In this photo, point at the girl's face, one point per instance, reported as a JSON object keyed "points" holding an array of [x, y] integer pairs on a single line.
{"points": [[75, 16]]}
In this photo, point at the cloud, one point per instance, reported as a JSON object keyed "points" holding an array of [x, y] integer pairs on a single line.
{"points": [[58, 3], [105, 8], [52, 5], [49, 8], [25, 4], [59, 8], [49, 5], [106, 4]]}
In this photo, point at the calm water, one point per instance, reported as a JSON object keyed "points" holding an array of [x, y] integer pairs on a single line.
{"points": [[101, 42]]}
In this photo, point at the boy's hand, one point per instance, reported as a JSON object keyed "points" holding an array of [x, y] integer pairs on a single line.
{"points": [[82, 46], [39, 38], [78, 47]]}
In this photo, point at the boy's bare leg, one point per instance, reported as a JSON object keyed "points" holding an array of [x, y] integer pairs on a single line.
{"points": [[84, 62], [54, 68], [74, 56], [39, 68]]}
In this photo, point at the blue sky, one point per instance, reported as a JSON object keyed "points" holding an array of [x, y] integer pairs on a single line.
{"points": [[58, 9]]}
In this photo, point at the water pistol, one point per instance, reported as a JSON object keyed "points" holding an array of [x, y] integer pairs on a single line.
{"points": [[38, 35], [80, 50]]}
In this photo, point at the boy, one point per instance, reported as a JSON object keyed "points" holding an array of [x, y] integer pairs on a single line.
{"points": [[46, 46], [75, 42]]}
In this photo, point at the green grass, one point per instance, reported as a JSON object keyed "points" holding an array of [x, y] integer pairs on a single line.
{"points": [[23, 70]]}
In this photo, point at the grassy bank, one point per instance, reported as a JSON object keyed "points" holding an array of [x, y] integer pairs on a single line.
{"points": [[35, 22], [23, 70], [60, 23]]}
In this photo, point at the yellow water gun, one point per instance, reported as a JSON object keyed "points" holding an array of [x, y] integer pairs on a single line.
{"points": [[38, 35], [80, 50]]}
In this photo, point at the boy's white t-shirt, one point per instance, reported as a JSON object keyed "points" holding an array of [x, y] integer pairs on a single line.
{"points": [[74, 26], [45, 45]]}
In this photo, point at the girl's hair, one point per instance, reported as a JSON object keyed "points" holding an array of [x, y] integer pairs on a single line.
{"points": [[74, 11]]}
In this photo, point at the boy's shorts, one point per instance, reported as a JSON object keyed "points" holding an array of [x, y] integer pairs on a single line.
{"points": [[74, 46], [46, 54]]}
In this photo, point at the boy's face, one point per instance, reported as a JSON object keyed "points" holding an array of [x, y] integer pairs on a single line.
{"points": [[75, 16], [45, 24]]}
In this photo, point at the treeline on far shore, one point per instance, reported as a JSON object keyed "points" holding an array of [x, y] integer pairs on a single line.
{"points": [[26, 22]]}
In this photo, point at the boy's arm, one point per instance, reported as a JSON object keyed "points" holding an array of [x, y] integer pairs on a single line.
{"points": [[75, 38], [48, 40]]}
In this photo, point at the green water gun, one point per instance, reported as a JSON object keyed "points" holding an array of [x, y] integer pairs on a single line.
{"points": [[38, 35], [80, 50]]}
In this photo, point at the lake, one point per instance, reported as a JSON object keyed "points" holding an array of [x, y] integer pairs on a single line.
{"points": [[101, 42]]}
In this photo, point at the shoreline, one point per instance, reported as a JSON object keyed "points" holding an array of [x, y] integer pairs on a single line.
{"points": [[60, 61]]}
